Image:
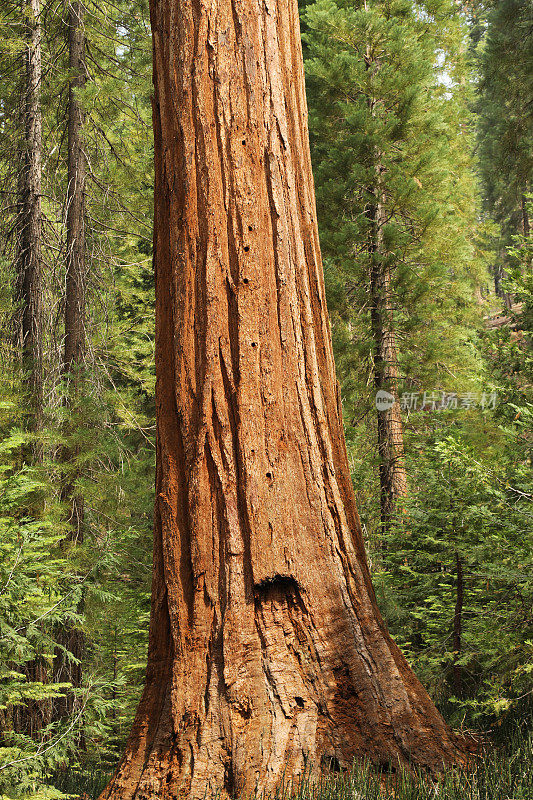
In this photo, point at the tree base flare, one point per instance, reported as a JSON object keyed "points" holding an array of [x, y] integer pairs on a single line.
{"points": [[300, 703]]}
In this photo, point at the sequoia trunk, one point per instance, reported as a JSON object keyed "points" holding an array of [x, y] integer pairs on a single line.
{"points": [[267, 652]]}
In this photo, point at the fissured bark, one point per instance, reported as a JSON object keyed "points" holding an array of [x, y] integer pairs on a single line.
{"points": [[267, 651]]}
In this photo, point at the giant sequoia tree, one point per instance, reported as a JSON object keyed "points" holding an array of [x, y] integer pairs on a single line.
{"points": [[267, 650]]}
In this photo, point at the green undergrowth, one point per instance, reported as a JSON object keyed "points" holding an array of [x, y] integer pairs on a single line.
{"points": [[500, 773]]}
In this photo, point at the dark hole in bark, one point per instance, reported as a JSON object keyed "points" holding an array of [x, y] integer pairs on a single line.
{"points": [[299, 701], [250, 227], [245, 711], [254, 344], [284, 583], [245, 280], [269, 475], [330, 763], [246, 248], [244, 141]]}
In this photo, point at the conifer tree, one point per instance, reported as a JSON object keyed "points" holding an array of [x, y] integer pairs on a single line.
{"points": [[29, 289], [505, 115], [386, 135], [72, 637]]}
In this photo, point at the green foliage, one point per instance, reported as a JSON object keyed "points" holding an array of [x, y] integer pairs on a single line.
{"points": [[98, 587], [505, 111], [473, 506], [390, 88], [34, 599], [388, 95]]}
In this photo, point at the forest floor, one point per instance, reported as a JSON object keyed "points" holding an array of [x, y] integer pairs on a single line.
{"points": [[501, 773]]}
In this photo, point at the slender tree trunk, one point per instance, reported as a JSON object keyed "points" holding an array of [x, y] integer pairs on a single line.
{"points": [[75, 345], [392, 472], [115, 675], [457, 626], [499, 276], [75, 273], [525, 215], [71, 636], [267, 652], [32, 718], [29, 267]]}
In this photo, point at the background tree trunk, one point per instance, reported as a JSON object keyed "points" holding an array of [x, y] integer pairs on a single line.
{"points": [[33, 717], [75, 345], [525, 215], [457, 626], [392, 473], [29, 267], [267, 650], [72, 637], [75, 271]]}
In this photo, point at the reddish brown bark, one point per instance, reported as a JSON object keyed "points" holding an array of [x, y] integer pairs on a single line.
{"points": [[267, 650]]}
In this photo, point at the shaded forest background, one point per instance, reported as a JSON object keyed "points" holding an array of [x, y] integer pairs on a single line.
{"points": [[420, 119]]}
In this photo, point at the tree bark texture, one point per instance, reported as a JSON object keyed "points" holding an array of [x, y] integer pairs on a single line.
{"points": [[72, 637], [29, 266], [35, 715], [267, 651], [75, 265], [392, 472], [74, 353]]}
